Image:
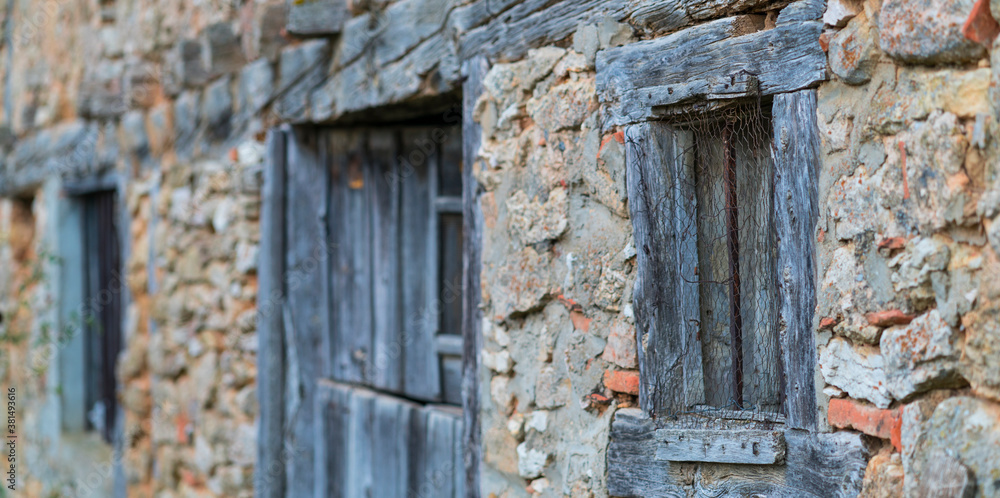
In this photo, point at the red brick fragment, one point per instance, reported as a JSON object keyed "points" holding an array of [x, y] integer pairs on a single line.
{"points": [[580, 321], [622, 381], [981, 27], [598, 399], [827, 322], [892, 243], [889, 318], [824, 41], [846, 413]]}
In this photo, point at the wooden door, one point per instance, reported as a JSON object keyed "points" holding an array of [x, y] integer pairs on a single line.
{"points": [[362, 260]]}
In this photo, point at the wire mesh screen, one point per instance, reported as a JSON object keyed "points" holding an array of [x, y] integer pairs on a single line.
{"points": [[727, 172]]}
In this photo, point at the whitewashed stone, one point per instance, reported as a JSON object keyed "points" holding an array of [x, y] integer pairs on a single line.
{"points": [[839, 12], [530, 462], [857, 370]]}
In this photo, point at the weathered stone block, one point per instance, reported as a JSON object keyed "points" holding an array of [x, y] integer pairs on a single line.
{"points": [[981, 361], [530, 462], [839, 12], [256, 86], [853, 53], [101, 92], [521, 284], [621, 346], [552, 389], [187, 120], [857, 370], [532, 221], [920, 356], [927, 31], [955, 454], [218, 109], [272, 27], [884, 475], [223, 50], [188, 66], [917, 92], [317, 17], [302, 68]]}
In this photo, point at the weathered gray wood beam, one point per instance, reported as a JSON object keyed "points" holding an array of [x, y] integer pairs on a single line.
{"points": [[270, 472], [653, 17], [534, 23], [796, 155], [723, 59], [720, 446], [827, 465], [475, 71], [661, 203]]}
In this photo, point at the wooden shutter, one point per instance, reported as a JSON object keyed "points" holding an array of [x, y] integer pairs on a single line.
{"points": [[395, 237], [662, 205]]}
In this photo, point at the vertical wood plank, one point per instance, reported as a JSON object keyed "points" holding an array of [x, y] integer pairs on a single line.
{"points": [[332, 422], [438, 475], [685, 216], [758, 253], [661, 295], [269, 473], [475, 70], [387, 344], [352, 299], [416, 450], [389, 452], [306, 288], [796, 150], [713, 272], [360, 469], [418, 263], [458, 461]]}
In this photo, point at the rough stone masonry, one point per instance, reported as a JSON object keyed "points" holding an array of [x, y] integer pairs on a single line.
{"points": [[173, 97]]}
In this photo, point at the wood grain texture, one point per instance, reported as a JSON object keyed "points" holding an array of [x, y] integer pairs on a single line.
{"points": [[351, 280], [712, 61], [333, 415], [654, 17], [359, 466], [796, 157], [387, 343], [720, 446], [816, 465], [475, 70], [270, 480], [671, 380], [307, 291], [631, 467], [418, 229]]}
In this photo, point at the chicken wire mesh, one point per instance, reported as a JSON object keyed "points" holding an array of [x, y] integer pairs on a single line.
{"points": [[727, 171]]}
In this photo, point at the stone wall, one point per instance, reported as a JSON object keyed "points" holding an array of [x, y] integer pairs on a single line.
{"points": [[559, 339], [173, 97], [907, 256]]}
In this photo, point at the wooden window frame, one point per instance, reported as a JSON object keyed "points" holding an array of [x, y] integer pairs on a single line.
{"points": [[77, 358], [702, 69]]}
